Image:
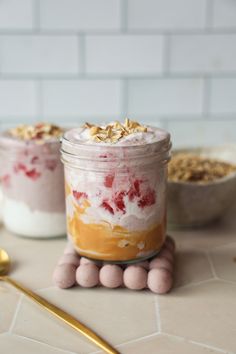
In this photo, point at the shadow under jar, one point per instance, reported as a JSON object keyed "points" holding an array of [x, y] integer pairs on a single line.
{"points": [[116, 196], [32, 181]]}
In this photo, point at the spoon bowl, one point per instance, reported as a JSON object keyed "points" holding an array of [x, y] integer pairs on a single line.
{"points": [[59, 313], [4, 263]]}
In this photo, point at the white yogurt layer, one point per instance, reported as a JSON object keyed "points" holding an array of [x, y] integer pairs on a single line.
{"points": [[21, 220]]}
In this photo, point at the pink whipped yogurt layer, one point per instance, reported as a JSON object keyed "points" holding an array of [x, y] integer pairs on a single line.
{"points": [[32, 172], [82, 135]]}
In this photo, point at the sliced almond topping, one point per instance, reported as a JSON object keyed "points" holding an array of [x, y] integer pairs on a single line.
{"points": [[94, 130], [113, 132], [87, 125], [40, 131]]}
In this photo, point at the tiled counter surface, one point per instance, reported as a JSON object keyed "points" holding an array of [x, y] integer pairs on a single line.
{"points": [[198, 316]]}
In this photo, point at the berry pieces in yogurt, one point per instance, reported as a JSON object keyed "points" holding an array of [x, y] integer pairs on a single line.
{"points": [[116, 189], [32, 179]]}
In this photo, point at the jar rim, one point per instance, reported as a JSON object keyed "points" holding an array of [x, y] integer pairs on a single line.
{"points": [[10, 147], [78, 154], [68, 143]]}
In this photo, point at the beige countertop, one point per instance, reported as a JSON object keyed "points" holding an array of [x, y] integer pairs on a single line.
{"points": [[198, 316]]}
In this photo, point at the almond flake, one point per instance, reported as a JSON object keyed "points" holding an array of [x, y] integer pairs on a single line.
{"points": [[113, 132], [94, 130], [40, 131]]}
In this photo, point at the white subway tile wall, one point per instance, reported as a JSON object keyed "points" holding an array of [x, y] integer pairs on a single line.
{"points": [[203, 53], [72, 98], [39, 54], [16, 15], [166, 14], [170, 63], [165, 97], [80, 15]]}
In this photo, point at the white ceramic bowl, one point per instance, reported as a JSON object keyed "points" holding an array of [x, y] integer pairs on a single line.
{"points": [[192, 204]]}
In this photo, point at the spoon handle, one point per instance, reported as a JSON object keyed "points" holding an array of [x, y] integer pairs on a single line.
{"points": [[70, 320]]}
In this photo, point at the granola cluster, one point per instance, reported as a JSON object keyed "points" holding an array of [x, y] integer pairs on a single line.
{"points": [[188, 167], [38, 132], [113, 132]]}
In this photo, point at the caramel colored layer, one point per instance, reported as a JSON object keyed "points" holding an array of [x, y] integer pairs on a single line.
{"points": [[102, 241]]}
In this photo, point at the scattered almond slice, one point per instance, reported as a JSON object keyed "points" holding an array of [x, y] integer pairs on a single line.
{"points": [[39, 132], [113, 132]]}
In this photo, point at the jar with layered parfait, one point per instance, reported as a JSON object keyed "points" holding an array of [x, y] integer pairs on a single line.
{"points": [[32, 181], [115, 178]]}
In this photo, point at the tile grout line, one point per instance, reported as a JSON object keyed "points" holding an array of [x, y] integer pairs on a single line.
{"points": [[138, 339], [13, 322], [43, 343], [124, 101], [39, 97], [207, 253], [209, 347], [209, 16], [206, 97], [123, 16], [209, 280], [81, 42], [195, 342], [12, 119], [166, 56], [227, 281], [36, 17], [158, 314], [230, 74], [214, 248], [123, 30]]}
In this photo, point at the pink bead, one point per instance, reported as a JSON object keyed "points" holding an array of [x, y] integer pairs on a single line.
{"points": [[170, 243], [144, 264], [160, 262], [64, 276], [159, 280], [135, 277], [111, 276], [69, 259], [87, 275], [69, 248], [165, 253], [84, 260]]}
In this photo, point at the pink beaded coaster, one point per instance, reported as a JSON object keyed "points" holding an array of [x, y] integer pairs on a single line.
{"points": [[155, 274]]}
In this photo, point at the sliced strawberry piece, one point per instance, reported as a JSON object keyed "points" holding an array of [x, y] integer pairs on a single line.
{"points": [[33, 174], [148, 199], [109, 181], [6, 180], [134, 190], [131, 194], [19, 167], [107, 206], [119, 201], [79, 195], [51, 164], [137, 187], [34, 160], [103, 156]]}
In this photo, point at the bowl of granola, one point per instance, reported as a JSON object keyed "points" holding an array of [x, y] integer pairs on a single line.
{"points": [[201, 185]]}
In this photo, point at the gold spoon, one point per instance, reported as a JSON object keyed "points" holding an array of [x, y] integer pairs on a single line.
{"points": [[70, 320]]}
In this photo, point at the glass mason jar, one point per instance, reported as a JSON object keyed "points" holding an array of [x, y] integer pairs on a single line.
{"points": [[32, 181], [116, 198]]}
